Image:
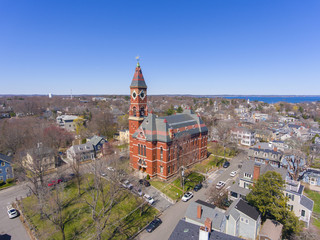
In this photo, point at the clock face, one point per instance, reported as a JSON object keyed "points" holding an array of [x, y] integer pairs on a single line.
{"points": [[134, 95], [142, 94]]}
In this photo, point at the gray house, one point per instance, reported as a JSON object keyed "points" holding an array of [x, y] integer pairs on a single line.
{"points": [[82, 152], [242, 220], [199, 211]]}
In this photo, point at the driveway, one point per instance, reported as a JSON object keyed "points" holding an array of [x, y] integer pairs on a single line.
{"points": [[12, 229], [174, 213]]}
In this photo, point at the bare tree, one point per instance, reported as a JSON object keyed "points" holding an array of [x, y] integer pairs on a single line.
{"points": [[102, 197], [224, 134], [55, 208], [76, 170]]}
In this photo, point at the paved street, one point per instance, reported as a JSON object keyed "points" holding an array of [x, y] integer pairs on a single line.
{"points": [[11, 228], [174, 213]]}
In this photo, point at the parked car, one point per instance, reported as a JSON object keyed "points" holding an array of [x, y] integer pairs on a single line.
{"points": [[12, 212], [226, 164], [197, 187], [139, 192], [233, 173], [145, 182], [148, 198], [187, 196], [153, 225], [127, 184], [220, 184], [54, 182], [111, 169]]}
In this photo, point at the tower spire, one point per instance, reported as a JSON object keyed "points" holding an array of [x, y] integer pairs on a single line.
{"points": [[138, 59]]}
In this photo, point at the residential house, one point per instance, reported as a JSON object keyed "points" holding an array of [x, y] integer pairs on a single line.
{"points": [[199, 211], [271, 230], [312, 177], [259, 117], [40, 158], [264, 155], [301, 205], [122, 136], [97, 142], [67, 122], [82, 152], [242, 220], [6, 170], [189, 231], [243, 136]]}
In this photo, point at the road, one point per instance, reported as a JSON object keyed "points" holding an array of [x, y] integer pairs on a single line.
{"points": [[12, 229], [174, 213]]}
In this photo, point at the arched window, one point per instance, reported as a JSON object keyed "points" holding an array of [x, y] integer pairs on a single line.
{"points": [[134, 111], [161, 153], [142, 111]]}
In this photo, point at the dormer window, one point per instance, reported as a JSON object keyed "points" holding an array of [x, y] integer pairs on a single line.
{"points": [[247, 175]]}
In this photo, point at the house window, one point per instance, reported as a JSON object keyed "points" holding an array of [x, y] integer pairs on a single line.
{"points": [[145, 151], [303, 213], [161, 169], [161, 153], [3, 164], [139, 149], [247, 175], [7, 170]]}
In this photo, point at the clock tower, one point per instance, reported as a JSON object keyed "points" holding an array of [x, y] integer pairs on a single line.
{"points": [[138, 103]]}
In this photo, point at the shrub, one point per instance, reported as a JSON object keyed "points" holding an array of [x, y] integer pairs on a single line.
{"points": [[1, 182], [10, 180], [148, 177]]}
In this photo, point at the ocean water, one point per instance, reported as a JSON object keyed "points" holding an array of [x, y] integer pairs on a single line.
{"points": [[275, 99]]}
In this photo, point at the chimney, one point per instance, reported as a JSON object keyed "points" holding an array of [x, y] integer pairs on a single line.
{"points": [[199, 211], [256, 171], [208, 224], [204, 233], [275, 149], [259, 147]]}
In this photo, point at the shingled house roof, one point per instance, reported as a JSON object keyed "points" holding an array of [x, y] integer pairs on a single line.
{"points": [[5, 158], [164, 129], [138, 79]]}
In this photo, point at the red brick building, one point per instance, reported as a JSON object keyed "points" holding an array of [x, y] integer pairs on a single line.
{"points": [[160, 146]]}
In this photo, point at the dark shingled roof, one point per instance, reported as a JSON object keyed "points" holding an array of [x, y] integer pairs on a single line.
{"points": [[157, 128], [188, 231], [5, 158], [245, 208], [138, 79], [306, 202]]}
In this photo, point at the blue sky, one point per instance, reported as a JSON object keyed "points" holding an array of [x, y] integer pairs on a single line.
{"points": [[186, 47]]}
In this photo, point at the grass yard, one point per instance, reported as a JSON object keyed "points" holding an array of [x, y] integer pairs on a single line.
{"points": [[189, 181], [7, 185], [120, 226], [208, 164], [315, 196], [217, 149], [168, 189], [316, 163]]}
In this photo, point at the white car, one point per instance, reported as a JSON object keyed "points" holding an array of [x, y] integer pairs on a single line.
{"points": [[127, 184], [233, 173], [220, 184], [148, 198], [187, 196], [12, 213], [110, 169]]}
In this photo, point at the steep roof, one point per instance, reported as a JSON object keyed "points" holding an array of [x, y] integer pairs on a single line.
{"points": [[188, 231], [5, 158], [208, 211], [138, 79], [306, 202], [158, 128], [242, 206], [271, 229]]}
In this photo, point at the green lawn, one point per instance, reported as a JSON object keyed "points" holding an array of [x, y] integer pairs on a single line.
{"points": [[208, 164], [189, 181], [315, 196], [316, 163], [82, 226], [170, 190], [216, 149], [7, 185]]}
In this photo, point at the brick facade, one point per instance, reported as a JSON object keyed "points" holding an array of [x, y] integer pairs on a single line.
{"points": [[161, 146]]}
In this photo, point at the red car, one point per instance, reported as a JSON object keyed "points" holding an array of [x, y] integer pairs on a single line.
{"points": [[54, 182]]}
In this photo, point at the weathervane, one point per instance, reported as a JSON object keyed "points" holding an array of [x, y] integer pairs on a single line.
{"points": [[138, 59]]}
